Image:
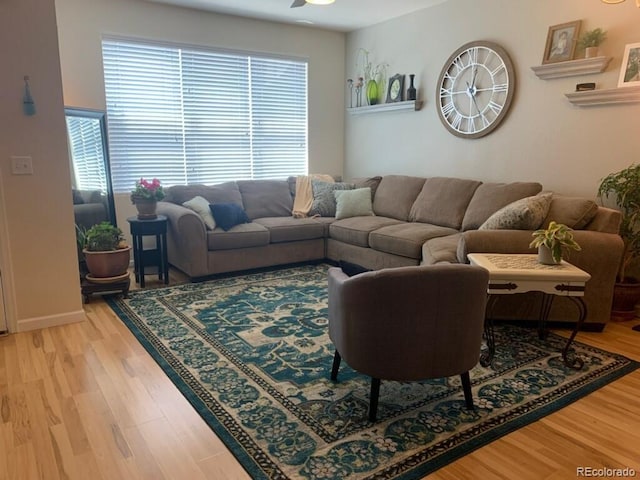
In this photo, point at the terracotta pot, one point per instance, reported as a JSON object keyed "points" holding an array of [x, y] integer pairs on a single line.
{"points": [[625, 297], [146, 208], [109, 263]]}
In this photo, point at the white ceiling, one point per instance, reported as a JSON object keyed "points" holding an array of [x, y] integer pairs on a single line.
{"points": [[343, 15]]}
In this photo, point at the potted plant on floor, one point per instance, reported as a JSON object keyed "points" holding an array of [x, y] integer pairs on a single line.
{"points": [[106, 254], [624, 188], [552, 242]]}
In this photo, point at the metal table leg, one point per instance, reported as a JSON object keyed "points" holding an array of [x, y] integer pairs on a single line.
{"points": [[569, 356]]}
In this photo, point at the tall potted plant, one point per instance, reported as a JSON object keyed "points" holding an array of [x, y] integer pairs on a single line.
{"points": [[105, 252], [624, 188]]}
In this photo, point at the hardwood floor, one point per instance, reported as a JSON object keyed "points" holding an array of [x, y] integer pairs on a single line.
{"points": [[86, 401]]}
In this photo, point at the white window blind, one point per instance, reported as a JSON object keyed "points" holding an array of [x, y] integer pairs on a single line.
{"points": [[198, 116], [85, 142]]}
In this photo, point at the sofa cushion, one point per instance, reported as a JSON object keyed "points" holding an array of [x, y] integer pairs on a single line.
{"points": [[355, 230], [353, 203], [406, 238], [395, 196], [200, 205], [228, 215], [524, 214], [227, 192], [443, 201], [371, 182], [289, 229], [324, 201], [266, 198], [574, 212], [491, 197], [245, 235]]}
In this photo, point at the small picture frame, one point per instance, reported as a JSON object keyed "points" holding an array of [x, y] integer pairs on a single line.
{"points": [[561, 42], [395, 90], [630, 69]]}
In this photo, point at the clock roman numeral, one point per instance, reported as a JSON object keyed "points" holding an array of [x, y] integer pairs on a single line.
{"points": [[457, 121], [497, 70], [500, 87], [495, 107], [447, 109]]}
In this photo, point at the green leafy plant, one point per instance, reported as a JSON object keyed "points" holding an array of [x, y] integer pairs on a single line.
{"points": [[101, 237], [592, 38], [624, 186], [557, 237], [148, 190]]}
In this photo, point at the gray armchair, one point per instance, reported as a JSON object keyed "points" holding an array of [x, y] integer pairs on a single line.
{"points": [[408, 323]]}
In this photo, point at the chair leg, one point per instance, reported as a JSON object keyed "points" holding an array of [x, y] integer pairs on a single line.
{"points": [[336, 365], [373, 399], [466, 388]]}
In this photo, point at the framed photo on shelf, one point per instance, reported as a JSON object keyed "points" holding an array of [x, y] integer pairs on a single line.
{"points": [[561, 42], [395, 91], [630, 70]]}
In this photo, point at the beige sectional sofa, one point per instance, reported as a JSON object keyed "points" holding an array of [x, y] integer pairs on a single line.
{"points": [[415, 221]]}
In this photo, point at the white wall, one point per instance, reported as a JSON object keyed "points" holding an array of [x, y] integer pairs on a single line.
{"points": [[37, 237], [544, 138], [81, 24]]}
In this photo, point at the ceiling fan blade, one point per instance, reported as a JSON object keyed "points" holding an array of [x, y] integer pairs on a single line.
{"points": [[298, 3]]}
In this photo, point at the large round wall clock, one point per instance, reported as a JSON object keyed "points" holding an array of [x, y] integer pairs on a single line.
{"points": [[475, 89]]}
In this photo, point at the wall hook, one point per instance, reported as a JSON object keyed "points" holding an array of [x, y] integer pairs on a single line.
{"points": [[28, 105]]}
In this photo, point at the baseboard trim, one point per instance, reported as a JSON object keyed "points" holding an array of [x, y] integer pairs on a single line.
{"points": [[36, 323]]}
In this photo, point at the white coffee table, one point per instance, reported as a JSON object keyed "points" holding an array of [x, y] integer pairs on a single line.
{"points": [[520, 273]]}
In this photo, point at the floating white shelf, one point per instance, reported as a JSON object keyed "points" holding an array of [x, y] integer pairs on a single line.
{"points": [[387, 107], [607, 96], [572, 68]]}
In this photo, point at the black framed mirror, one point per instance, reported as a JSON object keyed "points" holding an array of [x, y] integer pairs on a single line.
{"points": [[89, 163]]}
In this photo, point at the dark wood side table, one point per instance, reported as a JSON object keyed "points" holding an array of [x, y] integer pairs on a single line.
{"points": [[156, 257]]}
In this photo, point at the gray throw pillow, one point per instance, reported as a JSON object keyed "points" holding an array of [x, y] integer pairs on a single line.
{"points": [[324, 202], [353, 203], [524, 214]]}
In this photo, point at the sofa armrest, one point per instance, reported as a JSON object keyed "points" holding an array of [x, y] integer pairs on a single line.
{"points": [[186, 239]]}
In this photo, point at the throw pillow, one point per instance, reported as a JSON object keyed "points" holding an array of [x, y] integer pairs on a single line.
{"points": [[77, 197], [353, 203], [228, 215], [574, 212], [324, 202], [200, 205], [352, 269], [524, 214]]}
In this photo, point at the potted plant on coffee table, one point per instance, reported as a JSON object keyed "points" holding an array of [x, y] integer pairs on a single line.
{"points": [[624, 188], [552, 242], [106, 254]]}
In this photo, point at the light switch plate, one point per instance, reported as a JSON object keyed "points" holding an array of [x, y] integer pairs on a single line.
{"points": [[21, 165]]}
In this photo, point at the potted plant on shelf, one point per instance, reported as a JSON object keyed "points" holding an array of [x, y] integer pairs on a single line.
{"points": [[374, 77], [106, 254], [591, 40], [145, 197], [624, 187], [552, 241]]}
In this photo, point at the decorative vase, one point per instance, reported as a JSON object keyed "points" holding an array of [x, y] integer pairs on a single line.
{"points": [[411, 91], [590, 52], [372, 92], [545, 257], [146, 208]]}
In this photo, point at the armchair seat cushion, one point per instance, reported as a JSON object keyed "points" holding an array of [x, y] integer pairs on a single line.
{"points": [[406, 239]]}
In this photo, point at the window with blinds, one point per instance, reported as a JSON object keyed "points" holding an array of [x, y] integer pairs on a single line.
{"points": [[197, 116]]}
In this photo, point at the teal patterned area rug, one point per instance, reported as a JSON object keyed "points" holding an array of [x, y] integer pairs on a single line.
{"points": [[252, 355]]}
